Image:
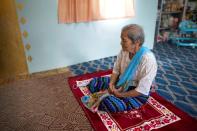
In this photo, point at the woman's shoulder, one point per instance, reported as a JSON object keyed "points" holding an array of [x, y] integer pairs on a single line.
{"points": [[149, 57], [148, 62]]}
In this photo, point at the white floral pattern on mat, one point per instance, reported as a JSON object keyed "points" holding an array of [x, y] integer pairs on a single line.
{"points": [[167, 118]]}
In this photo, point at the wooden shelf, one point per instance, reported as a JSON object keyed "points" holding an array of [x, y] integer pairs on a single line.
{"points": [[164, 28], [171, 12], [165, 13], [191, 11], [167, 28]]}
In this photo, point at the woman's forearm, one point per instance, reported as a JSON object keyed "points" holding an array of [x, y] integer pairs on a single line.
{"points": [[112, 83], [114, 78], [131, 93]]}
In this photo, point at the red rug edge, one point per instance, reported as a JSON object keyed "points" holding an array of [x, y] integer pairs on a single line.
{"points": [[185, 118], [186, 123], [87, 76]]}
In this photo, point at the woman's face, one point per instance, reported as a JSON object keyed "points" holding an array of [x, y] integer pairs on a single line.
{"points": [[127, 44]]}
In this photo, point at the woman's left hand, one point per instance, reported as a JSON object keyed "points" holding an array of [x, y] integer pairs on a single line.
{"points": [[117, 93]]}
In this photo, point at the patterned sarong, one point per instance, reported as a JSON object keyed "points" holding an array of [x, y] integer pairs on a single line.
{"points": [[111, 103]]}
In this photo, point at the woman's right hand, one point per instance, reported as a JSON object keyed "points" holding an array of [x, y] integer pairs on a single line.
{"points": [[111, 88], [120, 89]]}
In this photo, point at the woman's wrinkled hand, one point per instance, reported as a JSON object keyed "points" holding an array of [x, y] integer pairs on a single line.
{"points": [[111, 88], [120, 89], [117, 93]]}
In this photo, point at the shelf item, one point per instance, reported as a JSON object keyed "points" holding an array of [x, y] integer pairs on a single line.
{"points": [[191, 11], [187, 35], [171, 13]]}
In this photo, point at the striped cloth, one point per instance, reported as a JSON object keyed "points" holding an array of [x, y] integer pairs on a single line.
{"points": [[99, 83], [112, 103]]}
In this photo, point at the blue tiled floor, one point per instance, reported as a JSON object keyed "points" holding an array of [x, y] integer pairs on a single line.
{"points": [[176, 77]]}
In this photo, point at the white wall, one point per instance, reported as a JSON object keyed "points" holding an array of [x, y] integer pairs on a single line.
{"points": [[59, 45]]}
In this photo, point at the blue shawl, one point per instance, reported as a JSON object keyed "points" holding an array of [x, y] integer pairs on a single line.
{"points": [[129, 73]]}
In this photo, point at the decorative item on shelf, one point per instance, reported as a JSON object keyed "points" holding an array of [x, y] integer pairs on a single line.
{"points": [[191, 13], [188, 15], [186, 35], [163, 37], [192, 5], [165, 22], [173, 12], [173, 22], [175, 6], [171, 6], [168, 7]]}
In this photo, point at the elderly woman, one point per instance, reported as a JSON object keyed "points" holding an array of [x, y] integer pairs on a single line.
{"points": [[132, 76]]}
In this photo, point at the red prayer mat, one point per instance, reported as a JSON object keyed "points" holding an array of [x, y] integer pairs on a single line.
{"points": [[157, 114]]}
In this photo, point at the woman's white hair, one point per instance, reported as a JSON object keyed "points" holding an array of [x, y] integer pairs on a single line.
{"points": [[135, 32]]}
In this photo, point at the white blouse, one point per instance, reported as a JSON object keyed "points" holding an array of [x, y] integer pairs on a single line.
{"points": [[145, 72]]}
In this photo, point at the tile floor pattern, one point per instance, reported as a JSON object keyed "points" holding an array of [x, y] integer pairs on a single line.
{"points": [[176, 77]]}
